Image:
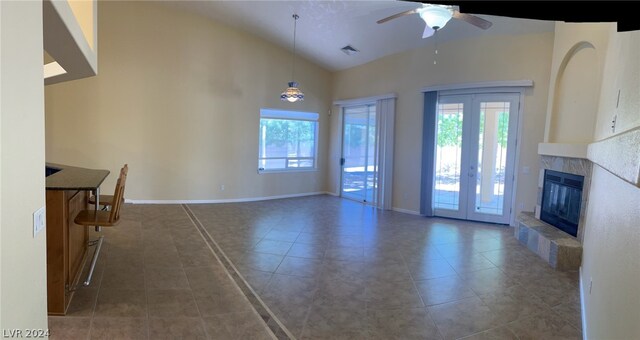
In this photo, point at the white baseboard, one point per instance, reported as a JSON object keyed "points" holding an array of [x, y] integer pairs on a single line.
{"points": [[332, 193], [583, 313], [227, 200], [406, 211]]}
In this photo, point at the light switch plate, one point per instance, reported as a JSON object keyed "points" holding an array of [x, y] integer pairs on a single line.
{"points": [[39, 220]]}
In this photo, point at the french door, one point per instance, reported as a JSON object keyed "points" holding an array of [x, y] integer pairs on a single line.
{"points": [[475, 156], [359, 163]]}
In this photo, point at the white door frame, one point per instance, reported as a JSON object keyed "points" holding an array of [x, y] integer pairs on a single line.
{"points": [[461, 213], [340, 184], [514, 144], [510, 166]]}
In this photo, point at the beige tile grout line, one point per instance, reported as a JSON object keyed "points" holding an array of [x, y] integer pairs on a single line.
{"points": [[415, 286], [202, 231], [202, 322]]}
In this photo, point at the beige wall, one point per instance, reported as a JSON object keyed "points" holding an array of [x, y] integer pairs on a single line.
{"points": [[490, 58], [23, 302], [576, 73], [178, 98], [612, 235], [621, 74]]}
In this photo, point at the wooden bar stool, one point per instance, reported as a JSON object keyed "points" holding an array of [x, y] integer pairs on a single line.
{"points": [[102, 218], [105, 200]]}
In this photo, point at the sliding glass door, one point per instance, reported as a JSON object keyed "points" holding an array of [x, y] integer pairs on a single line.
{"points": [[475, 156], [359, 163]]}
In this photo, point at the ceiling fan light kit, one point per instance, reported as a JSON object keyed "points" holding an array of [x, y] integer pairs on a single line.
{"points": [[293, 94], [435, 16]]}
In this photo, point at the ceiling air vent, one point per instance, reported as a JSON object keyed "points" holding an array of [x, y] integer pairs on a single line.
{"points": [[349, 50]]}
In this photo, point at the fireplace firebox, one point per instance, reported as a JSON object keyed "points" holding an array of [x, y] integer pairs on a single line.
{"points": [[561, 200]]}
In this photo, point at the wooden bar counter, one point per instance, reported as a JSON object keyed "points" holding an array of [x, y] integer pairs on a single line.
{"points": [[68, 189]]}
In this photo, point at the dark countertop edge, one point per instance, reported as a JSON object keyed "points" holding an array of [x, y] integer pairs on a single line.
{"points": [[74, 178]]}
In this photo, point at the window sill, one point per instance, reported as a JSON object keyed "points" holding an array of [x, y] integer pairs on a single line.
{"points": [[290, 170]]}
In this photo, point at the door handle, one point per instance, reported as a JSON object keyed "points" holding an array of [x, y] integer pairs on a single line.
{"points": [[341, 161]]}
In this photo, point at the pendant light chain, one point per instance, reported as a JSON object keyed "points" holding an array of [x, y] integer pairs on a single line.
{"points": [[293, 68], [292, 93], [435, 56]]}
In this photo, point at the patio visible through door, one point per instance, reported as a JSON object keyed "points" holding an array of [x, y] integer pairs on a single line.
{"points": [[475, 156], [359, 163]]}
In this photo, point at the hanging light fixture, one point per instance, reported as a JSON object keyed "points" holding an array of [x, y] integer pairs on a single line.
{"points": [[435, 16], [292, 93]]}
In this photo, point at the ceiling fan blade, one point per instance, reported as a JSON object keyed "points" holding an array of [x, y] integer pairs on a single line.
{"points": [[428, 31], [411, 11], [473, 20]]}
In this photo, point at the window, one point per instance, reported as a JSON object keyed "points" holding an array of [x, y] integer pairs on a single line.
{"points": [[287, 140]]}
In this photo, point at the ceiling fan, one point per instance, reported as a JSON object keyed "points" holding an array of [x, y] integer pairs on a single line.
{"points": [[436, 16]]}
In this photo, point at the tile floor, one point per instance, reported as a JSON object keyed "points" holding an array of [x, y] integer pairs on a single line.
{"points": [[157, 279], [323, 267]]}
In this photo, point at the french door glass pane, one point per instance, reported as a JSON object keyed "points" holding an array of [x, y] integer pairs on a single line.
{"points": [[448, 156], [492, 157]]}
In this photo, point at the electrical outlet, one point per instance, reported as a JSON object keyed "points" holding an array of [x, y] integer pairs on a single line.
{"points": [[39, 220], [526, 170], [221, 187], [521, 206], [590, 285]]}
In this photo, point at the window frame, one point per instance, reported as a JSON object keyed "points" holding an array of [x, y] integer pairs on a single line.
{"points": [[290, 115]]}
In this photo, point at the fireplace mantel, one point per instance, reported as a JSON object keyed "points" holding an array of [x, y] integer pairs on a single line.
{"points": [[569, 150], [619, 154]]}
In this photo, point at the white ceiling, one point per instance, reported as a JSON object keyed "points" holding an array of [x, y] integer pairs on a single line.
{"points": [[324, 27]]}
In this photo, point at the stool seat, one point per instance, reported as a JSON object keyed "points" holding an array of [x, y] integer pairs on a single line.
{"points": [[95, 217]]}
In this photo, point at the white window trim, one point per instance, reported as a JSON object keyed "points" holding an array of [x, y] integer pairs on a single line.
{"points": [[480, 85], [291, 115], [363, 101]]}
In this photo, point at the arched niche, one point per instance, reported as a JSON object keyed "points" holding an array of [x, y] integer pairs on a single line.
{"points": [[576, 95]]}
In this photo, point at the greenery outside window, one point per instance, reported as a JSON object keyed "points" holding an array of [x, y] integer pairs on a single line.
{"points": [[287, 140]]}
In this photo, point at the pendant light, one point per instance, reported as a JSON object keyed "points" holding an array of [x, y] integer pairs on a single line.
{"points": [[293, 94]]}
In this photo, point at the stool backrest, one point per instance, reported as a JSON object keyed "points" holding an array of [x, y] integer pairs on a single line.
{"points": [[118, 194]]}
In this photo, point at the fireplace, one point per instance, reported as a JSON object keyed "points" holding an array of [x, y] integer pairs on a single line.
{"points": [[561, 200]]}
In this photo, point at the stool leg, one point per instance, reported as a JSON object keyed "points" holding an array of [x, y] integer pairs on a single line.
{"points": [[94, 260], [98, 229]]}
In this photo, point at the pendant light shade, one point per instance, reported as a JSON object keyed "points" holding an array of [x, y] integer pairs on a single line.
{"points": [[293, 94]]}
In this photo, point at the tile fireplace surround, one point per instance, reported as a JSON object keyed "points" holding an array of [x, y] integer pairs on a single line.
{"points": [[618, 154], [575, 166], [561, 250]]}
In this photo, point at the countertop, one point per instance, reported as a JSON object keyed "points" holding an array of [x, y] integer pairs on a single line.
{"points": [[74, 178]]}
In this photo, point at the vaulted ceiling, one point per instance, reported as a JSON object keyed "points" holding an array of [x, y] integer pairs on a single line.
{"points": [[324, 27]]}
